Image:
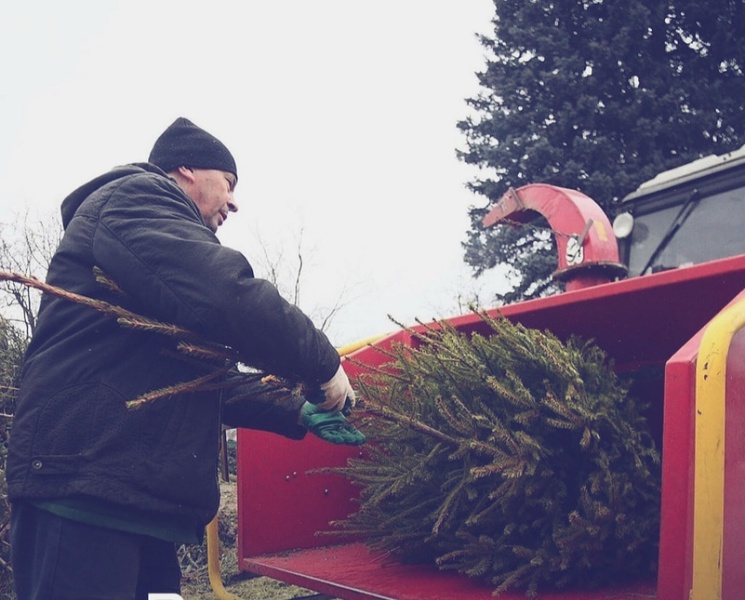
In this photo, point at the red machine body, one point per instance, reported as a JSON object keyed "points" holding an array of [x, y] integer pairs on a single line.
{"points": [[678, 331], [648, 324]]}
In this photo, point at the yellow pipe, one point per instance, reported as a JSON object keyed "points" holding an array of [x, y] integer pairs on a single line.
{"points": [[708, 506], [213, 540], [213, 562]]}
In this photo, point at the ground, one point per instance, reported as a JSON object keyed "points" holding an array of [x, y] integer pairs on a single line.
{"points": [[195, 584]]}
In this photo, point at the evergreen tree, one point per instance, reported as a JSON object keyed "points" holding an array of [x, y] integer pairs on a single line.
{"points": [[510, 457], [598, 96]]}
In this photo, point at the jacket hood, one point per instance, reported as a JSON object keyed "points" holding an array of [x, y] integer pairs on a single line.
{"points": [[71, 204]]}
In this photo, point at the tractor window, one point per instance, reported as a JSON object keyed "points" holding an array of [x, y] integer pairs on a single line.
{"points": [[712, 229]]}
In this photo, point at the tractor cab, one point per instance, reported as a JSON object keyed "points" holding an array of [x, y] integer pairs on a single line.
{"points": [[684, 216]]}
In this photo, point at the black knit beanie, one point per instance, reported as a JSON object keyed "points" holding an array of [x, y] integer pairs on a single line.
{"points": [[184, 144]]}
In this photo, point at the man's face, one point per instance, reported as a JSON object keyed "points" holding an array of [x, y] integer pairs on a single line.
{"points": [[212, 191]]}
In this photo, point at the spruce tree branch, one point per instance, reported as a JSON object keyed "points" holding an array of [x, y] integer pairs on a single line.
{"points": [[391, 415], [188, 386], [190, 344], [106, 281], [214, 353], [101, 306], [552, 436], [125, 317]]}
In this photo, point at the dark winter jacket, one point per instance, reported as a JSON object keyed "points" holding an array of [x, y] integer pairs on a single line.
{"points": [[72, 433]]}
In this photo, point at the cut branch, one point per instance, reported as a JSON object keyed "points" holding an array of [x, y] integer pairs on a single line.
{"points": [[191, 344], [194, 385]]}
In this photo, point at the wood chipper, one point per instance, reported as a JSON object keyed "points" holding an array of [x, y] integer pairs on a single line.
{"points": [[662, 291]]}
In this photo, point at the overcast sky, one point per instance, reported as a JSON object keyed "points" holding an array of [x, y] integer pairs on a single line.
{"points": [[341, 115]]}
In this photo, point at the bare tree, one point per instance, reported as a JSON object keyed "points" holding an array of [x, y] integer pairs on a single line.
{"points": [[286, 273], [26, 247]]}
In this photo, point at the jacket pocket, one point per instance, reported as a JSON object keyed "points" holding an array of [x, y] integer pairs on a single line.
{"points": [[56, 464]]}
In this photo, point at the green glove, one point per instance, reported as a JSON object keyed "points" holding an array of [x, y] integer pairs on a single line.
{"points": [[330, 426]]}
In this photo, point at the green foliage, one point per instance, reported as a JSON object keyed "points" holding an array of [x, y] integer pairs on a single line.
{"points": [[530, 254], [512, 457], [598, 96]]}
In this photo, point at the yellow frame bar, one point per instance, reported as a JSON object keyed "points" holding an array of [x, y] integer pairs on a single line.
{"points": [[708, 508]]}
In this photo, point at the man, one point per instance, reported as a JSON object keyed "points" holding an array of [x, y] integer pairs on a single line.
{"points": [[101, 493]]}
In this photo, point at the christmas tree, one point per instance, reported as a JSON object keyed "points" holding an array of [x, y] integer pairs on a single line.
{"points": [[514, 457]]}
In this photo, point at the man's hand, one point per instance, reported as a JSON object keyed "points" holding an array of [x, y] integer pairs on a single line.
{"points": [[336, 392], [331, 427]]}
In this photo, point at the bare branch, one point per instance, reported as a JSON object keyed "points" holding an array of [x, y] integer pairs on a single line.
{"points": [[27, 248]]}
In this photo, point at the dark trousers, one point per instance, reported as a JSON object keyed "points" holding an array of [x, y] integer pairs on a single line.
{"points": [[55, 558]]}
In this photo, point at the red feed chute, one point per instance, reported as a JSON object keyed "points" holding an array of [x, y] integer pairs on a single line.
{"points": [[648, 325]]}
